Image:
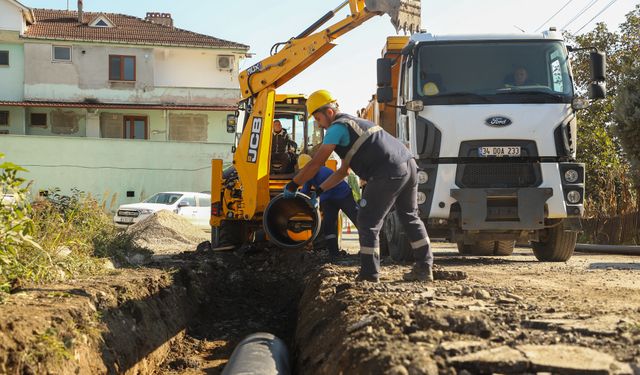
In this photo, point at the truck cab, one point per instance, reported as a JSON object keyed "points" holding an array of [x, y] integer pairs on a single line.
{"points": [[491, 121]]}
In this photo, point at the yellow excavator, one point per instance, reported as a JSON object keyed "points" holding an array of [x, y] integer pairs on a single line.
{"points": [[245, 202]]}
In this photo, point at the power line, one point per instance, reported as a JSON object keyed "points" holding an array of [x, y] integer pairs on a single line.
{"points": [[580, 13], [597, 15], [555, 14]]}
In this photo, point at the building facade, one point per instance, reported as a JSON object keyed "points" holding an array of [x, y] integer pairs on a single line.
{"points": [[113, 105]]}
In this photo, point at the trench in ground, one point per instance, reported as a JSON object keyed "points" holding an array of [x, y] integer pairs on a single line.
{"points": [[234, 296]]}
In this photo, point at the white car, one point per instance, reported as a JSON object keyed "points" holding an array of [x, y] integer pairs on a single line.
{"points": [[196, 207]]}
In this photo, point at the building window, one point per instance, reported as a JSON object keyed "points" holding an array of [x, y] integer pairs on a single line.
{"points": [[62, 53], [39, 119], [4, 58], [4, 118], [135, 127], [122, 68]]}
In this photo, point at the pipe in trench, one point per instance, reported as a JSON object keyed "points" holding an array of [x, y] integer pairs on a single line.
{"points": [[291, 223], [260, 353], [608, 249]]}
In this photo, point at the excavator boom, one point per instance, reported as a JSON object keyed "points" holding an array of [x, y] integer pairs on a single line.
{"points": [[259, 82]]}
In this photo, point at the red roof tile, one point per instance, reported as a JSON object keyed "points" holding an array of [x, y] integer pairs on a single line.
{"points": [[64, 25]]}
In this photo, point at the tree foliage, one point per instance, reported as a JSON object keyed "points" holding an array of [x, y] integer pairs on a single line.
{"points": [[609, 187], [627, 104]]}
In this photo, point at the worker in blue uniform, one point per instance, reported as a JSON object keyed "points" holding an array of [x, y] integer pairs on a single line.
{"points": [[332, 201], [391, 175]]}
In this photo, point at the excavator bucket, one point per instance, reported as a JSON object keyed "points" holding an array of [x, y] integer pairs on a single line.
{"points": [[405, 14]]}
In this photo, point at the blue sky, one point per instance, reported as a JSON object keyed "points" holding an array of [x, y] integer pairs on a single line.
{"points": [[349, 69]]}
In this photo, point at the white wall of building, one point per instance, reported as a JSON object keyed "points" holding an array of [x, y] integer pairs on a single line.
{"points": [[183, 76], [108, 168], [10, 17], [182, 67]]}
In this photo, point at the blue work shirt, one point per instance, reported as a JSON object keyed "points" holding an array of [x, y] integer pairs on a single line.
{"points": [[339, 191], [337, 134]]}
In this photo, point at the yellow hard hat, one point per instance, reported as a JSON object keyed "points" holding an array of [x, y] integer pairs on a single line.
{"points": [[318, 100], [430, 89], [303, 160]]}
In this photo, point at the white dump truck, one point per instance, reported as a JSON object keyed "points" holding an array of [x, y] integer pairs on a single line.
{"points": [[491, 121]]}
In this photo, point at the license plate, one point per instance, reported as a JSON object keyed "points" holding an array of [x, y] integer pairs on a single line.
{"points": [[125, 219], [500, 151]]}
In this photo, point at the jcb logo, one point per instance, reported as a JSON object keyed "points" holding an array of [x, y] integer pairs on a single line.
{"points": [[254, 141]]}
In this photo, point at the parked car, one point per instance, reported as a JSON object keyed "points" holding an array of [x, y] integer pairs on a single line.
{"points": [[196, 207]]}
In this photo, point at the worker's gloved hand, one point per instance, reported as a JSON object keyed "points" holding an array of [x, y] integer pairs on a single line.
{"points": [[290, 190], [314, 199]]}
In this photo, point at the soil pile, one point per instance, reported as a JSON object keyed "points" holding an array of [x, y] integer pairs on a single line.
{"points": [[166, 233]]}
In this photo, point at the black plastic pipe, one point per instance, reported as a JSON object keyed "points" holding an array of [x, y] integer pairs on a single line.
{"points": [[259, 354], [291, 223], [608, 249]]}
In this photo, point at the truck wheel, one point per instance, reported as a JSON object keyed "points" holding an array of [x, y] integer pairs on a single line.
{"points": [[480, 248], [397, 242], [486, 248], [504, 248], [558, 246], [384, 246]]}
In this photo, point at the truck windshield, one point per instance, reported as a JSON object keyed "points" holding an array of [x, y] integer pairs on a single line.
{"points": [[493, 72]]}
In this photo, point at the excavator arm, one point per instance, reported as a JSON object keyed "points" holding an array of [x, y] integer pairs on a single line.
{"points": [[259, 82]]}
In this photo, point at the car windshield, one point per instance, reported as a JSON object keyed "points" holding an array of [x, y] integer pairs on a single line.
{"points": [[164, 198], [493, 72]]}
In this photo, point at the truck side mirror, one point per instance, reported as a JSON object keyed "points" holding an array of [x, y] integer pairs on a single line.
{"points": [[384, 72], [232, 123], [384, 94], [598, 66], [597, 90]]}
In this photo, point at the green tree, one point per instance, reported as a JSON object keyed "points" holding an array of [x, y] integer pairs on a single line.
{"points": [[609, 187], [627, 104], [16, 226], [627, 107]]}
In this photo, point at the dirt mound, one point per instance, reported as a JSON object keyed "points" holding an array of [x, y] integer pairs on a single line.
{"points": [[165, 232]]}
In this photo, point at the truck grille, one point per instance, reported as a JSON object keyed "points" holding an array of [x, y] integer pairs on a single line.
{"points": [[128, 213], [498, 175]]}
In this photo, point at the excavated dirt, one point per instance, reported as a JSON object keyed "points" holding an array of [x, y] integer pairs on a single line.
{"points": [[512, 315], [184, 313], [165, 232]]}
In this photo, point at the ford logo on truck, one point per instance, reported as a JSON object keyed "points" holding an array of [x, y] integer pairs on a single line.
{"points": [[498, 121]]}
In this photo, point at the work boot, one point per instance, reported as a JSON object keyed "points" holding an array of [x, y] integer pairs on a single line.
{"points": [[419, 272], [371, 279]]}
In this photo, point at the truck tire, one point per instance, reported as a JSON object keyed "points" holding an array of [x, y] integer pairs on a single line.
{"points": [[480, 248], [504, 248], [487, 248], [397, 242], [384, 246], [558, 246]]}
